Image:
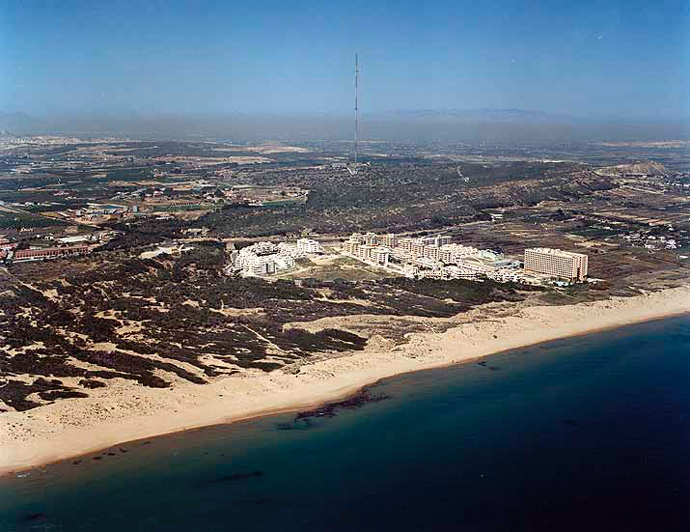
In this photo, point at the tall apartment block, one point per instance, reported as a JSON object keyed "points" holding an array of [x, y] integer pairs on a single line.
{"points": [[371, 238], [438, 240], [390, 240], [556, 262]]}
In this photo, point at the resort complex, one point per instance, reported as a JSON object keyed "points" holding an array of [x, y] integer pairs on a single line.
{"points": [[437, 257]]}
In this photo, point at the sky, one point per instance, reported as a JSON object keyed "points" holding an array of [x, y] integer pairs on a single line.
{"points": [[594, 59]]}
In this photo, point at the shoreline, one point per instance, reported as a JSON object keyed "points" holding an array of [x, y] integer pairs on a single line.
{"points": [[115, 417]]}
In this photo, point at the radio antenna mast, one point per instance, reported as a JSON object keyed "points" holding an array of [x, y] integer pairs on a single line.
{"points": [[356, 107]]}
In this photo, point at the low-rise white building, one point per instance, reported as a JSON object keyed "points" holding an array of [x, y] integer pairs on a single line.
{"points": [[308, 246], [262, 258]]}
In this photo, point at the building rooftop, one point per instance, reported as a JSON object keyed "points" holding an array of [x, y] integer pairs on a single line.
{"points": [[557, 252]]}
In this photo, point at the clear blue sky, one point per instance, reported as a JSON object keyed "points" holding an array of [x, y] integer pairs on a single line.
{"points": [[588, 58]]}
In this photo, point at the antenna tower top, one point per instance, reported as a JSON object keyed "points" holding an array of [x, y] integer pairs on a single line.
{"points": [[356, 107]]}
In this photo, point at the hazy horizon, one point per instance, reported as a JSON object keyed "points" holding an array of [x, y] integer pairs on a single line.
{"points": [[498, 125]]}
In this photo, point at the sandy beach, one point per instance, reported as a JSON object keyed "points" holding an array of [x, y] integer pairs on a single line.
{"points": [[124, 412]]}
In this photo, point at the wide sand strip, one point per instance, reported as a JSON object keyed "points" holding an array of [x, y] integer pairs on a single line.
{"points": [[124, 412]]}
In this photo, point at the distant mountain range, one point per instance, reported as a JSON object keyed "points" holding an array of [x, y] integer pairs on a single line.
{"points": [[478, 115], [15, 120], [7, 135], [470, 125]]}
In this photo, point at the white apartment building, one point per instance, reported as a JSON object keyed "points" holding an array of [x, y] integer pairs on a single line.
{"points": [[429, 256], [432, 252], [305, 245], [381, 255], [371, 238], [366, 251], [465, 271], [262, 258], [418, 248], [349, 246], [260, 266], [557, 263], [438, 240], [390, 240], [452, 253], [406, 244], [251, 264], [283, 262]]}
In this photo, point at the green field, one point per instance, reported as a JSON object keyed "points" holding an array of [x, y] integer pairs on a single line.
{"points": [[12, 220]]}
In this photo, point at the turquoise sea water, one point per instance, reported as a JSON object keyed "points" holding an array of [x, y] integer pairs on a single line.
{"points": [[583, 434]]}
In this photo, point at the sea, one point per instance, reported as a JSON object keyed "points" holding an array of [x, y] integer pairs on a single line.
{"points": [[587, 433]]}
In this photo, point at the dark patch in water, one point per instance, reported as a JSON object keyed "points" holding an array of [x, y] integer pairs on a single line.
{"points": [[330, 409], [123, 450], [258, 500], [76, 462], [97, 457], [235, 477], [570, 421], [304, 424], [494, 368], [34, 517]]}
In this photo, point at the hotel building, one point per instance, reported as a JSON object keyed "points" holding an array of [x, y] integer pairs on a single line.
{"points": [[557, 263]]}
